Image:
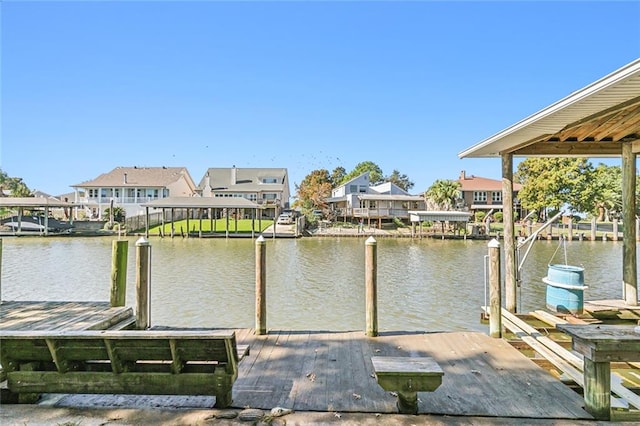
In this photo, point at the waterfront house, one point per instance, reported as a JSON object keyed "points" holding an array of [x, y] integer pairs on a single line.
{"points": [[267, 187], [357, 199], [129, 187], [484, 194]]}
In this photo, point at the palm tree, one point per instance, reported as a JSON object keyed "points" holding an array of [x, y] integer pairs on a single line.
{"points": [[443, 194]]}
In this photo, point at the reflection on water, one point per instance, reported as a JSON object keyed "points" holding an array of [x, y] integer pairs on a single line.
{"points": [[312, 284]]}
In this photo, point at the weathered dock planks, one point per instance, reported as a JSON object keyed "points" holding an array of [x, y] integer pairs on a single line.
{"points": [[320, 371], [20, 315]]}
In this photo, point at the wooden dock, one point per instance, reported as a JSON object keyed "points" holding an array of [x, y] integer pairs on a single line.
{"points": [[324, 371], [19, 315], [332, 371]]}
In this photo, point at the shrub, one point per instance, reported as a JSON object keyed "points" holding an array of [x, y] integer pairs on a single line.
{"points": [[480, 216], [497, 216]]}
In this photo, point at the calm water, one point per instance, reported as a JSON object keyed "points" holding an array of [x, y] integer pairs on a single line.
{"points": [[312, 284]]}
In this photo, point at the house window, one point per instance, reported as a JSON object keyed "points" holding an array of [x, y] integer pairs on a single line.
{"points": [[362, 189], [479, 196], [269, 196], [93, 193], [353, 188], [496, 197], [269, 180]]}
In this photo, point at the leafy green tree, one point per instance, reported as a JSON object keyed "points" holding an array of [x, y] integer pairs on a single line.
{"points": [[607, 182], [17, 187], [400, 180], [442, 195], [375, 173], [337, 176], [313, 191], [553, 183]]}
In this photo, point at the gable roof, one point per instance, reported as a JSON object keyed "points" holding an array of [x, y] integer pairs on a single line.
{"points": [[365, 175], [477, 183], [138, 177], [388, 188], [237, 179]]}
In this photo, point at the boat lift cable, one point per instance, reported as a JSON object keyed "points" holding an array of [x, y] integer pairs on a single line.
{"points": [[562, 243]]}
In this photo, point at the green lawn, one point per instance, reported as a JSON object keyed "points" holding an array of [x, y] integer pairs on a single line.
{"points": [[242, 226]]}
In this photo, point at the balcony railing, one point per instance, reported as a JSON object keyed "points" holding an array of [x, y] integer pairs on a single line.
{"points": [[400, 213], [117, 200]]}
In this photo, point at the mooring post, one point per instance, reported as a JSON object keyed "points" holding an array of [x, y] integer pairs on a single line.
{"points": [[261, 286], [371, 287], [615, 230], [0, 268], [495, 293], [594, 227], [570, 230], [119, 253], [143, 280]]}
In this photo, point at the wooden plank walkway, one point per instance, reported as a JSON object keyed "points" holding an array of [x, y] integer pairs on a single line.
{"points": [[19, 315], [324, 371], [332, 371]]}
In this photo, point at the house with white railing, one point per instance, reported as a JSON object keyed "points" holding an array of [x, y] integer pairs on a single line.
{"points": [[129, 187], [386, 201]]}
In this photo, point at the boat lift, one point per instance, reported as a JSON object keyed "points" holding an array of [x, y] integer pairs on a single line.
{"points": [[529, 243]]}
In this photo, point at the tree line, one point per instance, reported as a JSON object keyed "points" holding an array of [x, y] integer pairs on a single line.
{"points": [[547, 186]]}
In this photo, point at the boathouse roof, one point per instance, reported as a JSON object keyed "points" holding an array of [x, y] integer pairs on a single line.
{"points": [[439, 216], [591, 122], [33, 202], [202, 203]]}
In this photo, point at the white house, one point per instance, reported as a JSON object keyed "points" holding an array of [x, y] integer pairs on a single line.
{"points": [[386, 201], [129, 187]]}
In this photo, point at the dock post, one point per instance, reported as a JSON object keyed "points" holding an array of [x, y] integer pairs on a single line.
{"points": [[0, 268], [570, 230], [143, 273], [615, 230], [495, 294], [371, 287], [261, 286], [594, 227], [119, 253]]}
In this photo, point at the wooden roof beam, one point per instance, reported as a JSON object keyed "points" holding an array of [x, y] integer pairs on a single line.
{"points": [[578, 149]]}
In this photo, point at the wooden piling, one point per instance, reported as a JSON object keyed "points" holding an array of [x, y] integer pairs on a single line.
{"points": [[143, 272], [261, 286], [0, 268], [570, 230], [615, 230], [594, 226], [629, 255], [371, 287], [119, 252], [495, 294]]}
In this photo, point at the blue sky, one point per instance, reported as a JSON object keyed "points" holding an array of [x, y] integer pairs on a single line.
{"points": [[89, 86]]}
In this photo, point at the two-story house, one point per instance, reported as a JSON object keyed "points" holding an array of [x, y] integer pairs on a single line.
{"points": [[267, 187], [386, 201], [483, 194], [129, 187]]}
